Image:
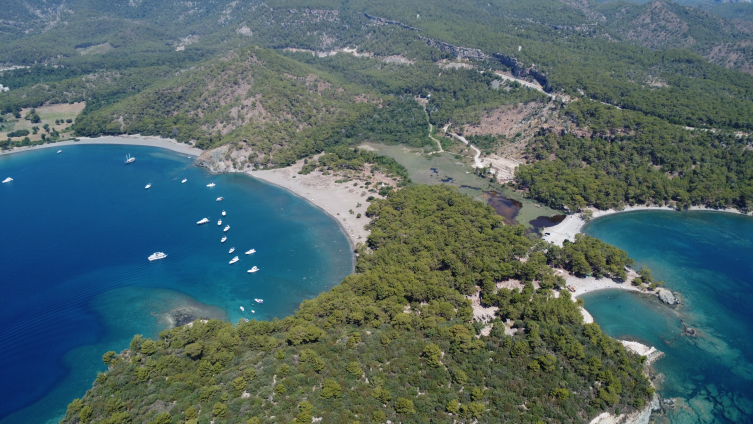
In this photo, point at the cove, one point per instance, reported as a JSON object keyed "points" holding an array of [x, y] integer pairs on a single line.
{"points": [[75, 232], [707, 257]]}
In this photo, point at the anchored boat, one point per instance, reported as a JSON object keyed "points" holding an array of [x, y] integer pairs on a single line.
{"points": [[157, 255]]}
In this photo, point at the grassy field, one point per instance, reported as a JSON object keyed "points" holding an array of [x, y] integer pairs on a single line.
{"points": [[453, 168], [48, 114]]}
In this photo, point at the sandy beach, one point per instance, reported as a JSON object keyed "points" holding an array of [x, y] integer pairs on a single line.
{"points": [[337, 199], [134, 140], [573, 224]]}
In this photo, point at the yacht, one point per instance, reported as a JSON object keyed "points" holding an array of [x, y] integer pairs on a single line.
{"points": [[129, 159], [184, 180], [157, 255], [251, 251], [148, 185], [223, 239], [210, 185], [232, 249], [226, 228], [223, 213], [253, 311], [242, 309], [203, 221], [60, 151], [234, 260], [219, 222], [259, 300], [252, 270], [219, 199], [7, 180]]}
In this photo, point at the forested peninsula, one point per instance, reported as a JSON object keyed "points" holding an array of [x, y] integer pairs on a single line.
{"points": [[392, 341]]}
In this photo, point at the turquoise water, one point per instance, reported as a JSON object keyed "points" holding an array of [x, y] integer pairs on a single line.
{"points": [[708, 258], [75, 232]]}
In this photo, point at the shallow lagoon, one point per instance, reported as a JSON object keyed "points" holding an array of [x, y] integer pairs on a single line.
{"points": [[76, 232], [708, 258]]}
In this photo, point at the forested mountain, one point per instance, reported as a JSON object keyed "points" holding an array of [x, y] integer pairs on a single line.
{"points": [[267, 76], [391, 342]]}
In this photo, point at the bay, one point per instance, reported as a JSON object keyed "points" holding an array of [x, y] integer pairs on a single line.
{"points": [[706, 257], [75, 232]]}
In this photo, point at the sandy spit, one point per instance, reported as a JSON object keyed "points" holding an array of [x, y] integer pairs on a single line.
{"points": [[133, 140]]}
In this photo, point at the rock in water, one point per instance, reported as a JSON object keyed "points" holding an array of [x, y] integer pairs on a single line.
{"points": [[667, 297]]}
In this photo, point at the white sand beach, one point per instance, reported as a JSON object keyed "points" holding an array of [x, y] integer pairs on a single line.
{"points": [[591, 284], [134, 140]]}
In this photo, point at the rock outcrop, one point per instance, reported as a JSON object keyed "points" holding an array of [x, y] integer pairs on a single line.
{"points": [[522, 71], [637, 417], [667, 296], [457, 51]]}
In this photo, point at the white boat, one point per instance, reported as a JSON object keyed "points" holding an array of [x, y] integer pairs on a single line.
{"points": [[252, 270], [219, 222], [251, 251], [157, 255], [60, 151], [232, 249], [219, 199], [203, 221], [242, 309], [184, 180], [234, 260], [7, 180], [253, 311], [259, 300], [210, 185], [129, 159], [148, 185], [223, 213], [226, 228], [223, 239]]}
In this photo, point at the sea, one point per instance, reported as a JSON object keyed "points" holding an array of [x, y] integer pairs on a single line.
{"points": [[707, 259], [76, 229]]}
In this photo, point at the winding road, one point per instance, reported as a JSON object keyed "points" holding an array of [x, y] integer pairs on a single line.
{"points": [[476, 159]]}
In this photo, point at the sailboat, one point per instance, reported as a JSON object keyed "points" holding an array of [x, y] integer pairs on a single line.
{"points": [[129, 159]]}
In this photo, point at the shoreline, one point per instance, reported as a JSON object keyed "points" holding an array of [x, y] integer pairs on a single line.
{"points": [[591, 284], [335, 199], [573, 224], [131, 140]]}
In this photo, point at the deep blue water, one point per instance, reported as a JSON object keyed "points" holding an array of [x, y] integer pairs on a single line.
{"points": [[75, 232], [708, 258]]}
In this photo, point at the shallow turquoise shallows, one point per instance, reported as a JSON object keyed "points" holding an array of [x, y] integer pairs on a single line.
{"points": [[707, 257], [76, 229]]}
